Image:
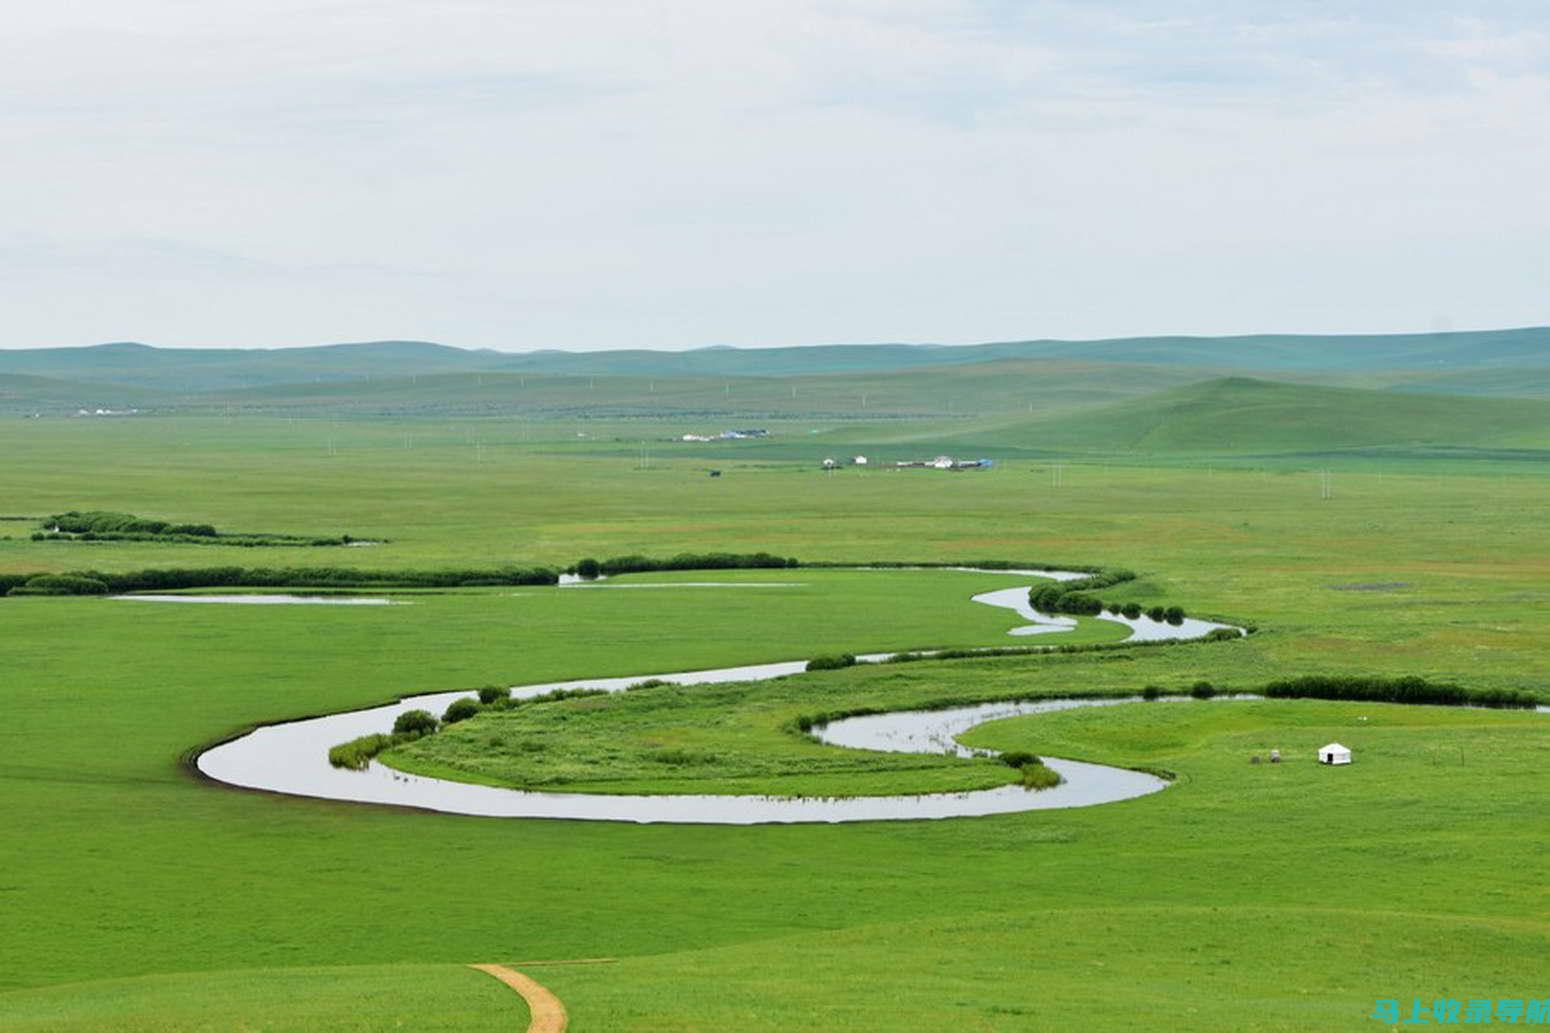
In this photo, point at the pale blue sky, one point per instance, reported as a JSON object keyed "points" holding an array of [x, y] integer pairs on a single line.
{"points": [[600, 175]]}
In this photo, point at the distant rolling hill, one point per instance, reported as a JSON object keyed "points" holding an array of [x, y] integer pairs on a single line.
{"points": [[967, 391], [197, 370], [20, 392], [831, 381], [1243, 415]]}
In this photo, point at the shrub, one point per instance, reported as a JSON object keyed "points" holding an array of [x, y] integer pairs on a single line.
{"points": [[493, 694], [636, 564], [1070, 596], [1132, 610], [415, 722], [1037, 776], [1174, 615], [1202, 690], [588, 569], [1018, 758], [1221, 635], [1080, 605], [167, 579], [832, 662], [61, 584], [460, 710], [1151, 692], [1157, 613], [1395, 690]]}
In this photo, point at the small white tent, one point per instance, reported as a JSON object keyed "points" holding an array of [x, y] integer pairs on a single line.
{"points": [[1334, 753]]}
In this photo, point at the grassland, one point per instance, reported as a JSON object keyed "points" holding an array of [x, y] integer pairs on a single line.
{"points": [[1244, 897]]}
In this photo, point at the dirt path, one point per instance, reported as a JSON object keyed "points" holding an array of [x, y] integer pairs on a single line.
{"points": [[548, 1014]]}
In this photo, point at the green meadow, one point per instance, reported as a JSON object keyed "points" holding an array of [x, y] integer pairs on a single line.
{"points": [[1270, 897]]}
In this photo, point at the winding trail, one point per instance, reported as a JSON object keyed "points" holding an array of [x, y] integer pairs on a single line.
{"points": [[547, 1014], [292, 757]]}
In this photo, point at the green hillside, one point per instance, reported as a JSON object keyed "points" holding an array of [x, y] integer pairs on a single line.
{"points": [[1245, 415], [20, 392], [973, 390], [1379, 360]]}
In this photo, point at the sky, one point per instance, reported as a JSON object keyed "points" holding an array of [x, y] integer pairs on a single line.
{"points": [[520, 174]]}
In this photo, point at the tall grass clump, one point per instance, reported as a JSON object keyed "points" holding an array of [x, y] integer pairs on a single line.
{"points": [[357, 753]]}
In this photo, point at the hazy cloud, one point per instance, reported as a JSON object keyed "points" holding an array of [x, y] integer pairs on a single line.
{"points": [[623, 174]]}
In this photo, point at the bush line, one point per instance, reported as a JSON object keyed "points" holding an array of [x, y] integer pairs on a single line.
{"points": [[589, 568], [106, 526], [1407, 690], [92, 582]]}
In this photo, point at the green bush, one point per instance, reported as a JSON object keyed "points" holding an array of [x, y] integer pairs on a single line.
{"points": [[1151, 692], [104, 526], [493, 694], [636, 564], [1132, 610], [173, 578], [60, 584], [1018, 758], [1202, 690], [1221, 635], [832, 662], [1071, 596], [97, 521], [460, 710], [1395, 690], [1157, 613], [1174, 615], [415, 722], [1037, 776], [588, 569]]}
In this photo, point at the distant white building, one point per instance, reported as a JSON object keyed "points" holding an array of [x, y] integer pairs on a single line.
{"points": [[829, 464], [943, 462], [858, 460], [1334, 753]]}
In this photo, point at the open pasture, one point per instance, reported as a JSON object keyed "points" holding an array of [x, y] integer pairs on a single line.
{"points": [[1242, 897]]}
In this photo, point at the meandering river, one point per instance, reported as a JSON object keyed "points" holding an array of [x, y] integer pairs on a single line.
{"points": [[292, 757]]}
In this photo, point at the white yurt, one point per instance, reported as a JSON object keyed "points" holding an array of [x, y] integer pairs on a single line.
{"points": [[1334, 753]]}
